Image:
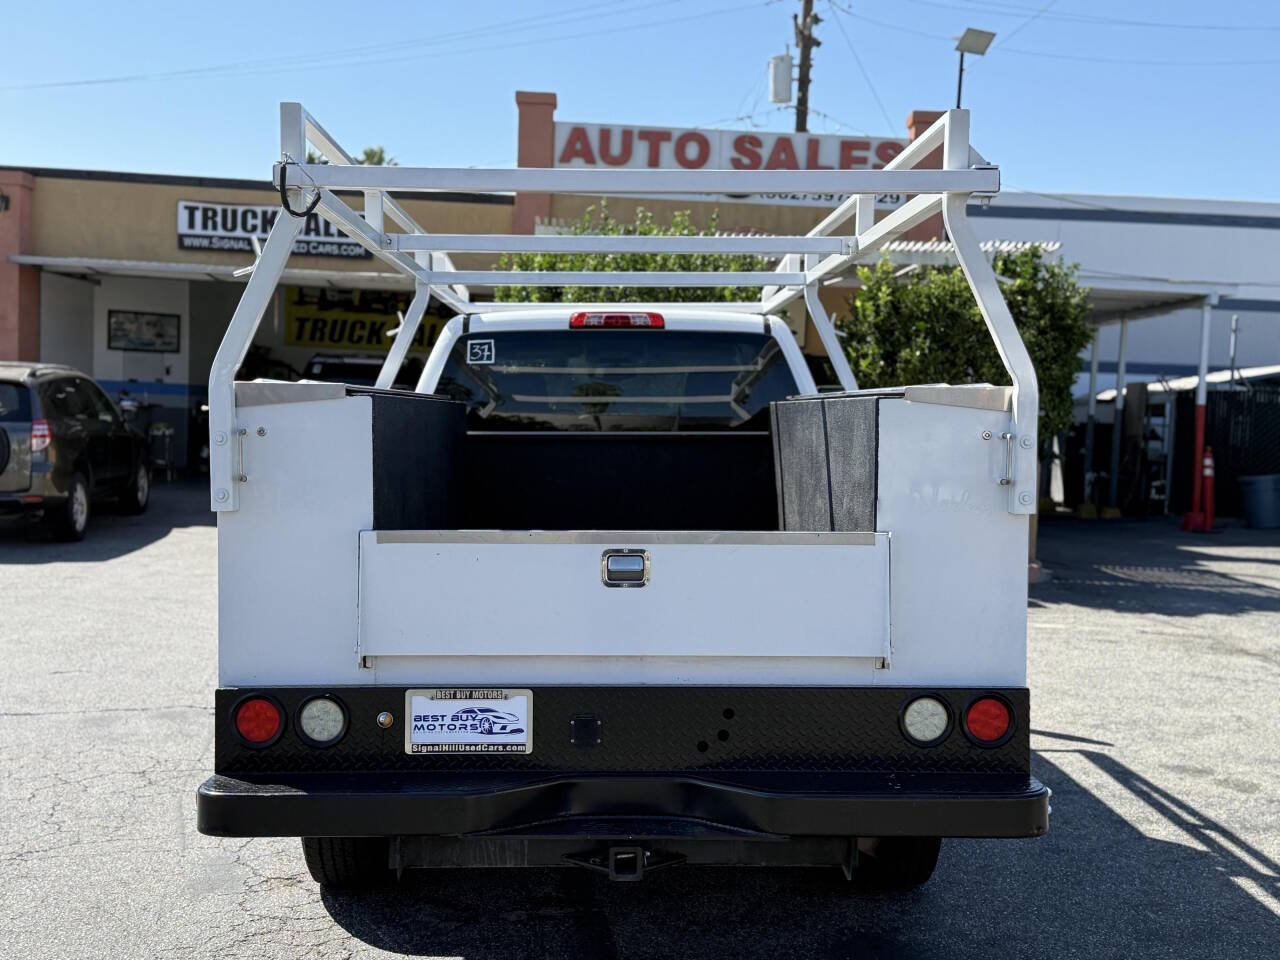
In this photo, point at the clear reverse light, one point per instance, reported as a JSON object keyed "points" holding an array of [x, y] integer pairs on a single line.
{"points": [[925, 719], [322, 720]]}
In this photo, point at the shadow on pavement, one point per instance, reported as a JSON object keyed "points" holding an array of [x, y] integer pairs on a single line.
{"points": [[1094, 887], [112, 533], [1151, 566]]}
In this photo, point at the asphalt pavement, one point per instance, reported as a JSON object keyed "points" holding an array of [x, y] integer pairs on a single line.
{"points": [[1155, 676]]}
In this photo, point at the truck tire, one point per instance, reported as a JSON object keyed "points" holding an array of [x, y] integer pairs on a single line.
{"points": [[899, 863], [137, 491], [347, 863], [71, 520]]}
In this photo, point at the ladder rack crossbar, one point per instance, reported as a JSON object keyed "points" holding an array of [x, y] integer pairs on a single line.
{"points": [[627, 181], [626, 243], [628, 278]]}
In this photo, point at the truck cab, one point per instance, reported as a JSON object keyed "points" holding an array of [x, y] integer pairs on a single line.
{"points": [[614, 586]]}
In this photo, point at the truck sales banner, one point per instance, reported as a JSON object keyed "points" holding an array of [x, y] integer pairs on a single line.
{"points": [[350, 320], [599, 146], [228, 226]]}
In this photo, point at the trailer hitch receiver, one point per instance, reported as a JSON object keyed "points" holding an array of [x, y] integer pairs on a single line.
{"points": [[625, 863]]}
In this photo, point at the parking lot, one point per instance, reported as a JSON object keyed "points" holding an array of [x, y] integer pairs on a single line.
{"points": [[1154, 669]]}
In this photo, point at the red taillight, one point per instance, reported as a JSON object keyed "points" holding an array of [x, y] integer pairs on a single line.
{"points": [[616, 321], [258, 720], [41, 435], [987, 719]]}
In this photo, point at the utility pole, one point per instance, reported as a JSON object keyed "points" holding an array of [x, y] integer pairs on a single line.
{"points": [[805, 41]]}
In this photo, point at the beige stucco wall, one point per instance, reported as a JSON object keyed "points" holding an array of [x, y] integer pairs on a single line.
{"points": [[139, 221]]}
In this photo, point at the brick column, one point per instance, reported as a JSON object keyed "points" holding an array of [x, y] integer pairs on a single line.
{"points": [[535, 148], [19, 286], [918, 121]]}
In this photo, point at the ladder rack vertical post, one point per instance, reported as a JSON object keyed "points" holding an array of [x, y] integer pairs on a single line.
{"points": [[224, 487], [404, 336], [1023, 494], [827, 332]]}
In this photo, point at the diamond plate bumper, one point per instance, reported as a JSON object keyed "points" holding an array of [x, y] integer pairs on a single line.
{"points": [[792, 761]]}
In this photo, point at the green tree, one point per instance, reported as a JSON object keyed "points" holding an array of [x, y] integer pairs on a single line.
{"points": [[371, 157], [926, 328], [598, 221]]}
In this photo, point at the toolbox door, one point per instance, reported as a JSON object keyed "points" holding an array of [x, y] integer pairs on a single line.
{"points": [[490, 593]]}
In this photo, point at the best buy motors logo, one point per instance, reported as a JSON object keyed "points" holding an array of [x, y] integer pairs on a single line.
{"points": [[483, 720]]}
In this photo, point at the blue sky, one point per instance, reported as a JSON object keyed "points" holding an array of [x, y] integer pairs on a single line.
{"points": [[1177, 100]]}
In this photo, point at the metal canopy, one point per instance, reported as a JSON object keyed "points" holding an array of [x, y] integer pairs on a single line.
{"points": [[168, 270], [1240, 375], [391, 235], [1114, 298]]}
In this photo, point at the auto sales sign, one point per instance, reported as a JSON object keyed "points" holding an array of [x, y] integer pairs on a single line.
{"points": [[228, 226], [600, 146]]}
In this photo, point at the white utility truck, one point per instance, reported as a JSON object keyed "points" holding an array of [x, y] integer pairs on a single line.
{"points": [[615, 586]]}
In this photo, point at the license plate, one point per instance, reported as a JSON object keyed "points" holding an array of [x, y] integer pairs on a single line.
{"points": [[468, 720]]}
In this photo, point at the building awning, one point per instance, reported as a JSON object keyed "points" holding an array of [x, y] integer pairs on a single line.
{"points": [[165, 270], [1216, 378], [1113, 297]]}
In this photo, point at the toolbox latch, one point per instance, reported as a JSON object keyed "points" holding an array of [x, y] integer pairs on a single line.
{"points": [[624, 568]]}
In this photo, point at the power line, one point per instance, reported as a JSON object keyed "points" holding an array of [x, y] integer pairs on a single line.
{"points": [[343, 57], [1026, 23], [862, 69], [889, 26], [1017, 10], [1124, 61], [588, 34], [840, 123], [331, 57], [743, 118]]}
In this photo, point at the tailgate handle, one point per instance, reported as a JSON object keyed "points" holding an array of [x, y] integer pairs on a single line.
{"points": [[624, 568]]}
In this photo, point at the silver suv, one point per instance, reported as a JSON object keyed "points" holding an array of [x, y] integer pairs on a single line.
{"points": [[64, 446]]}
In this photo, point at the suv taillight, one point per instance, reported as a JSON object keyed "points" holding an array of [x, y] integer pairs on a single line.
{"points": [[41, 435], [616, 321]]}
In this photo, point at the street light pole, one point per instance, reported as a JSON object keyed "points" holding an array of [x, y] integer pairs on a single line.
{"points": [[971, 41]]}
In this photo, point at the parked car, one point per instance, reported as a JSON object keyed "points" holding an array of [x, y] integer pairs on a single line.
{"points": [[64, 446], [360, 371]]}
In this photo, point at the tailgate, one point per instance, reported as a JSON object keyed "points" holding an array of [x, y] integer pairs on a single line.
{"points": [[499, 593]]}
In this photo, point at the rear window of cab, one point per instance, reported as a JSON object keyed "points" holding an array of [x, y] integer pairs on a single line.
{"points": [[617, 380]]}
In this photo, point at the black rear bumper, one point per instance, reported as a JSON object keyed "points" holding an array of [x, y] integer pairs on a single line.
{"points": [[770, 761], [20, 504], [807, 805]]}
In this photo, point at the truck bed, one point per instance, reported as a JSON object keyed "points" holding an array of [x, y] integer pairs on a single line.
{"points": [[431, 473]]}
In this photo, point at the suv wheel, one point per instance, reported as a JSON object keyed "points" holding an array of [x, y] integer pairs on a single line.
{"points": [[71, 520], [136, 495], [347, 863], [899, 863]]}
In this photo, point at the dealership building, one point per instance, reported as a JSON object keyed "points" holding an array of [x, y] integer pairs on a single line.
{"points": [[133, 278]]}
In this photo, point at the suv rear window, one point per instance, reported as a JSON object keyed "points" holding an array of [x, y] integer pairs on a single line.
{"points": [[63, 399], [15, 403], [603, 380]]}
